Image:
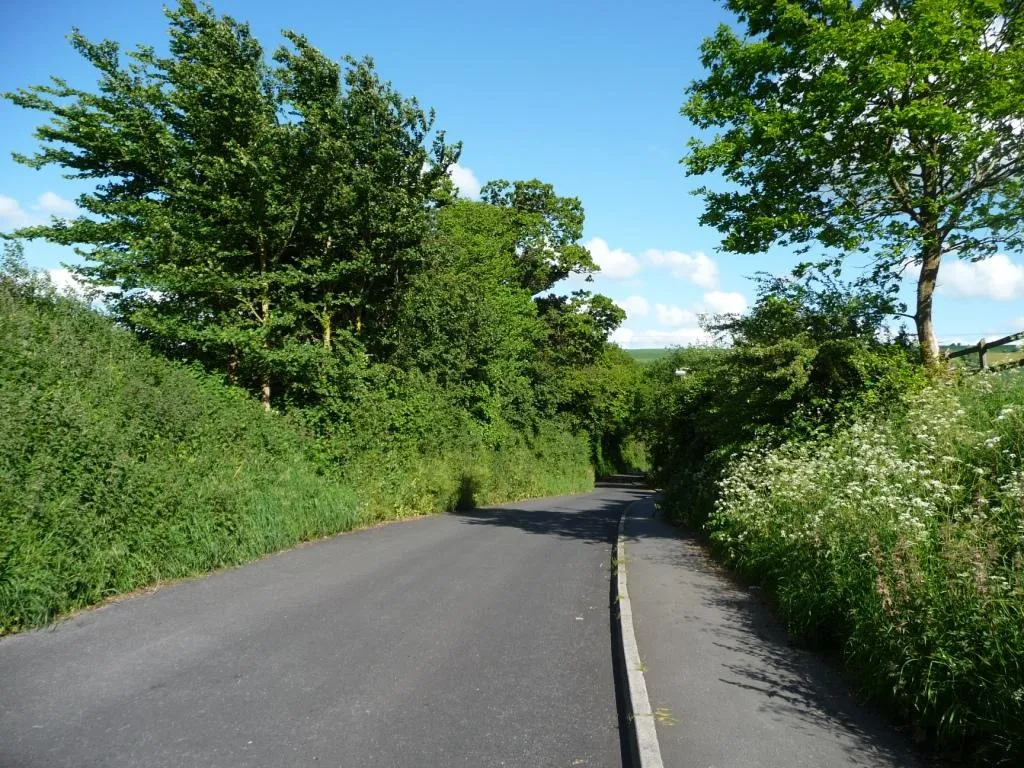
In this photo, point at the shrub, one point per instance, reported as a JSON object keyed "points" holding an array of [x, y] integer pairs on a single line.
{"points": [[901, 538], [119, 468]]}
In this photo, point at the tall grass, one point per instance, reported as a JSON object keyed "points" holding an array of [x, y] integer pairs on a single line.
{"points": [[903, 540], [119, 469]]}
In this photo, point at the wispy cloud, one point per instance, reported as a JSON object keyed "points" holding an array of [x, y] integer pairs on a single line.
{"points": [[674, 316], [635, 306], [52, 204], [14, 216], [722, 303]]}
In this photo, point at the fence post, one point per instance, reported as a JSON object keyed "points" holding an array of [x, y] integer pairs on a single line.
{"points": [[981, 354]]}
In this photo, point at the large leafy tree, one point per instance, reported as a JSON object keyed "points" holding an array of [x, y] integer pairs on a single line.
{"points": [[370, 180], [248, 214], [887, 126], [487, 320], [467, 321], [546, 228]]}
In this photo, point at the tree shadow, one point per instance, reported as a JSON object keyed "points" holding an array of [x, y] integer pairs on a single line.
{"points": [[795, 685], [590, 517], [468, 488]]}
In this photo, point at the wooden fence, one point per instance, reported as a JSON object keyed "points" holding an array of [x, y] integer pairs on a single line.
{"points": [[981, 349]]}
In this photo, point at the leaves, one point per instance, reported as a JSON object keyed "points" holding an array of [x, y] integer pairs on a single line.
{"points": [[251, 216], [885, 127]]}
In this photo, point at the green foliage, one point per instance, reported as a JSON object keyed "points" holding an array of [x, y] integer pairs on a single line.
{"points": [[120, 469], [261, 219], [288, 225], [603, 398], [547, 229], [900, 539], [806, 357], [882, 125], [471, 323], [467, 322]]}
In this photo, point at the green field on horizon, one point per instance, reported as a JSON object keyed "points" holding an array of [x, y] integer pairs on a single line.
{"points": [[648, 355]]}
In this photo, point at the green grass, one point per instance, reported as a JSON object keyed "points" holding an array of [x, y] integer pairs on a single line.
{"points": [[901, 540], [119, 469]]}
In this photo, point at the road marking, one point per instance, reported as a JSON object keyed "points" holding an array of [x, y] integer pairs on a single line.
{"points": [[641, 716]]}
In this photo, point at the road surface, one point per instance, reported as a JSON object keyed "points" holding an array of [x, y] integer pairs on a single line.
{"points": [[473, 639]]}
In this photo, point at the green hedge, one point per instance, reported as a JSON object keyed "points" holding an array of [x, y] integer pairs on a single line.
{"points": [[119, 469]]}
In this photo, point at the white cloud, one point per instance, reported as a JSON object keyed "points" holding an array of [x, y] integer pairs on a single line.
{"points": [[722, 303], [996, 278], [674, 316], [13, 216], [616, 264], [627, 338], [65, 281], [465, 180], [635, 306], [621, 336], [53, 204], [697, 267]]}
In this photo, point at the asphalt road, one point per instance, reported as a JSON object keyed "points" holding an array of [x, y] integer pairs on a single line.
{"points": [[732, 690], [475, 639]]}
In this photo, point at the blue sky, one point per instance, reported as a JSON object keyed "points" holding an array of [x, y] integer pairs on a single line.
{"points": [[584, 95]]}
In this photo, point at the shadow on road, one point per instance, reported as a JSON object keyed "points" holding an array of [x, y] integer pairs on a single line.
{"points": [[591, 517], [754, 652]]}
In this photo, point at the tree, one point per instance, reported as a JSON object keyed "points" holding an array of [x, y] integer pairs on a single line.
{"points": [[893, 126], [187, 222], [547, 229], [467, 321], [249, 215], [369, 182]]}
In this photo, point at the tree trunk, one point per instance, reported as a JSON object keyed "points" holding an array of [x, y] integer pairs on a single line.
{"points": [[265, 321], [265, 307], [931, 258], [233, 367], [265, 396]]}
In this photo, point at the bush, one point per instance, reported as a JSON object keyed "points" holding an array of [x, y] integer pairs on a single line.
{"points": [[901, 538], [410, 448], [119, 469], [731, 399]]}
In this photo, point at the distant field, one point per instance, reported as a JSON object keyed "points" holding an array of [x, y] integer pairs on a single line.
{"points": [[648, 355], [995, 355]]}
